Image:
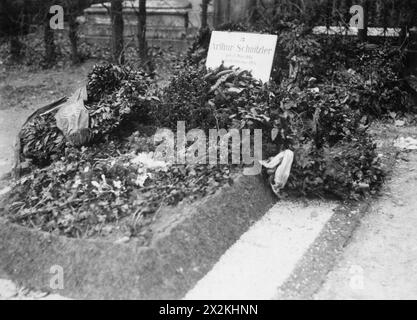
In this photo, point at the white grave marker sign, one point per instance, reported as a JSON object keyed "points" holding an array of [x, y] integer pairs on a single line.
{"points": [[247, 51]]}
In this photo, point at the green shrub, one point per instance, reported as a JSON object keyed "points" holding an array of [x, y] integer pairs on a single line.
{"points": [[185, 99]]}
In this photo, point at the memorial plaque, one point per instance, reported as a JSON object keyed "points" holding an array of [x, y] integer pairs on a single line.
{"points": [[247, 51]]}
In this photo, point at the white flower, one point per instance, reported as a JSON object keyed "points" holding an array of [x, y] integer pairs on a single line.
{"points": [[117, 184], [96, 184], [141, 179], [77, 183], [148, 161]]}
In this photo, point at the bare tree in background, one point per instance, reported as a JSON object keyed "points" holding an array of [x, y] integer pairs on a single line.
{"points": [[142, 44], [116, 12], [48, 35], [13, 25], [363, 33], [204, 14], [74, 8]]}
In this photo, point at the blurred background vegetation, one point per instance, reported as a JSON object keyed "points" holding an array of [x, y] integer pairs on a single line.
{"points": [[26, 37]]}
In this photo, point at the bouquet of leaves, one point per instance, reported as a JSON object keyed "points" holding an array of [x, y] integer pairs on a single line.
{"points": [[115, 94]]}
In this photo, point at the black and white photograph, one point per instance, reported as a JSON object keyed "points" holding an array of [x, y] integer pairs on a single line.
{"points": [[208, 155]]}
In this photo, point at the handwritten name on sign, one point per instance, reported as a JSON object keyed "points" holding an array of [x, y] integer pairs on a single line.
{"points": [[247, 51]]}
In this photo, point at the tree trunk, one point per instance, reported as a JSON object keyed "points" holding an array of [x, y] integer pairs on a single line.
{"points": [[328, 13], [221, 12], [142, 45], [15, 48], [117, 31], [73, 37], [363, 33], [12, 23], [380, 13], [204, 14], [252, 11], [49, 42]]}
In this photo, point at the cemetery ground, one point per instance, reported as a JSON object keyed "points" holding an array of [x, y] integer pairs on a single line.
{"points": [[22, 91], [369, 254]]}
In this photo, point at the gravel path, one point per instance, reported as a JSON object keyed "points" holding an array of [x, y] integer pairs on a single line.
{"points": [[10, 291], [381, 260]]}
